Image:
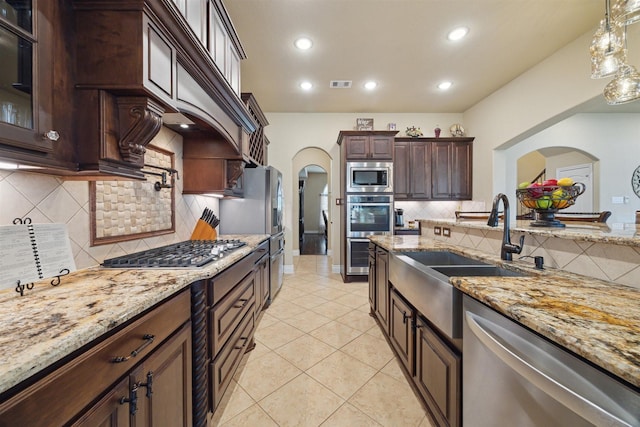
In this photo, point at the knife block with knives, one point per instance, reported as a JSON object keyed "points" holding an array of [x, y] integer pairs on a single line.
{"points": [[205, 228]]}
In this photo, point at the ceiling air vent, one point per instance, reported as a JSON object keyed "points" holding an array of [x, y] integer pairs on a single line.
{"points": [[340, 84]]}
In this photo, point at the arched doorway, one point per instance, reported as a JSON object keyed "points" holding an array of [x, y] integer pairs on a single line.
{"points": [[313, 207], [557, 162], [313, 157]]}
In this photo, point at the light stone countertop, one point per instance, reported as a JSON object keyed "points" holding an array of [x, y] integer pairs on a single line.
{"points": [[595, 319], [585, 231], [48, 323]]}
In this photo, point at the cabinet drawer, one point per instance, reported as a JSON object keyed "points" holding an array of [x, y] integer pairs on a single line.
{"points": [[226, 281], [226, 315], [67, 390], [225, 365]]}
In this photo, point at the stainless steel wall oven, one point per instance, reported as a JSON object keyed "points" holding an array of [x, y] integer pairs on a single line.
{"points": [[367, 214]]}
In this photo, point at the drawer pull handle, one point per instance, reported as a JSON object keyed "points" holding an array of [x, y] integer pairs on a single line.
{"points": [[244, 344], [244, 302], [132, 400], [148, 339]]}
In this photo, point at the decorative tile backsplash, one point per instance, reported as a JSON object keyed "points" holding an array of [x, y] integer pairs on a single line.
{"points": [[426, 210], [125, 208], [606, 261], [47, 199]]}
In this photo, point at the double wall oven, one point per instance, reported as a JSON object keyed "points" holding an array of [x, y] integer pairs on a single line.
{"points": [[369, 210]]}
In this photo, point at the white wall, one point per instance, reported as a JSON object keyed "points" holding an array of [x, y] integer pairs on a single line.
{"points": [[315, 185], [289, 133], [611, 138], [546, 94]]}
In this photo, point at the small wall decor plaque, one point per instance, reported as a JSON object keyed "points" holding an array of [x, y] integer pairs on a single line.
{"points": [[391, 126], [364, 124]]}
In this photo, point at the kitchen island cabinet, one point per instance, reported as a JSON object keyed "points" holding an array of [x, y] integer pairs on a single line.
{"points": [[590, 317], [382, 288]]}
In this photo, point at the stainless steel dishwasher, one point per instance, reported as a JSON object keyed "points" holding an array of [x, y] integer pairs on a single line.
{"points": [[514, 377]]}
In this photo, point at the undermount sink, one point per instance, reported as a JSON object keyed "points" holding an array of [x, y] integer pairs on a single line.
{"points": [[434, 258], [480, 270]]}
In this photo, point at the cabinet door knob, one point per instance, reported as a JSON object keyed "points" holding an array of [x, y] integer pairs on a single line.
{"points": [[52, 135]]}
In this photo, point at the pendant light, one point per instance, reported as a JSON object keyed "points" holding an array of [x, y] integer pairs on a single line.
{"points": [[626, 12], [607, 47], [625, 87]]}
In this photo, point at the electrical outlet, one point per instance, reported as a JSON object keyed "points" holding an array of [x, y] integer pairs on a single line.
{"points": [[446, 232], [437, 230]]}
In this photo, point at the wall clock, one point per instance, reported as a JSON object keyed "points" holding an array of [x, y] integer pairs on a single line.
{"points": [[635, 181]]}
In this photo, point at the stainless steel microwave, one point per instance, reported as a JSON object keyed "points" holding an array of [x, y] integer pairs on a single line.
{"points": [[369, 177]]}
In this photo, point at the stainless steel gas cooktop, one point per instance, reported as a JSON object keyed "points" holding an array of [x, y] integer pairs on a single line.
{"points": [[191, 253]]}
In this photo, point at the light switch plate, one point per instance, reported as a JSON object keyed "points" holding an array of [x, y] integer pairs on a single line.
{"points": [[446, 232], [437, 230]]}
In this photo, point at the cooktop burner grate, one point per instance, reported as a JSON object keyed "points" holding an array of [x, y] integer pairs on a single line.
{"points": [[191, 253]]}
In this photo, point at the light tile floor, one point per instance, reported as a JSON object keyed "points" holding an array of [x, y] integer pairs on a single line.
{"points": [[319, 360]]}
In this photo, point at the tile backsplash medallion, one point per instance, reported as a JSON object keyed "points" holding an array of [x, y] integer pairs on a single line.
{"points": [[49, 199]]}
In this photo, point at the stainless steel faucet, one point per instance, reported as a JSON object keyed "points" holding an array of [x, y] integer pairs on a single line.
{"points": [[507, 248]]}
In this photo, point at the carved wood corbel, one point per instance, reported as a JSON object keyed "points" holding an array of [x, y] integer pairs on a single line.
{"points": [[140, 120], [234, 171]]}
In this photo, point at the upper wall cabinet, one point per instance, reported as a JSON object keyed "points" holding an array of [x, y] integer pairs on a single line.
{"points": [[451, 169], [255, 148], [30, 132], [142, 58], [433, 168], [367, 145]]}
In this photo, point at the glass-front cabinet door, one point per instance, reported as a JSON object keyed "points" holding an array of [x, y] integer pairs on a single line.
{"points": [[23, 87]]}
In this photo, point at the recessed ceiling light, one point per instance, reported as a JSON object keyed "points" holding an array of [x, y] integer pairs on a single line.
{"points": [[184, 126], [306, 85], [303, 43], [444, 85], [370, 85], [458, 33]]}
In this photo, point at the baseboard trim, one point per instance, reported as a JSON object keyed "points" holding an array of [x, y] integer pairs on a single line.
{"points": [[295, 252], [288, 269]]}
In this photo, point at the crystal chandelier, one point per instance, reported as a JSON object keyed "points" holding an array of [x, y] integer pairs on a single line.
{"points": [[609, 52]]}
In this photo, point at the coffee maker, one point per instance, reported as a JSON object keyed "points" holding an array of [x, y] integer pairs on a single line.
{"points": [[399, 222]]}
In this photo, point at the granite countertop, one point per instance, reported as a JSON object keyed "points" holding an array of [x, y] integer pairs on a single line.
{"points": [[48, 323], [595, 319], [585, 231]]}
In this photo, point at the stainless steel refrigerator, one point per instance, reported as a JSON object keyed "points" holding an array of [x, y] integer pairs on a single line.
{"points": [[259, 212]]}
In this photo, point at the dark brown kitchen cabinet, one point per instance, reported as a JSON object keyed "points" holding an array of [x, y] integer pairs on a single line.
{"points": [[368, 145], [142, 63], [158, 342], [412, 169], [31, 131], [224, 317], [372, 277], [254, 149], [157, 393], [262, 276], [451, 169], [109, 411], [438, 375], [401, 322], [382, 288], [211, 166]]}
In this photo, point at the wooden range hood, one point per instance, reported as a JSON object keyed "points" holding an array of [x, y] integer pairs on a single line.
{"points": [[137, 60]]}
